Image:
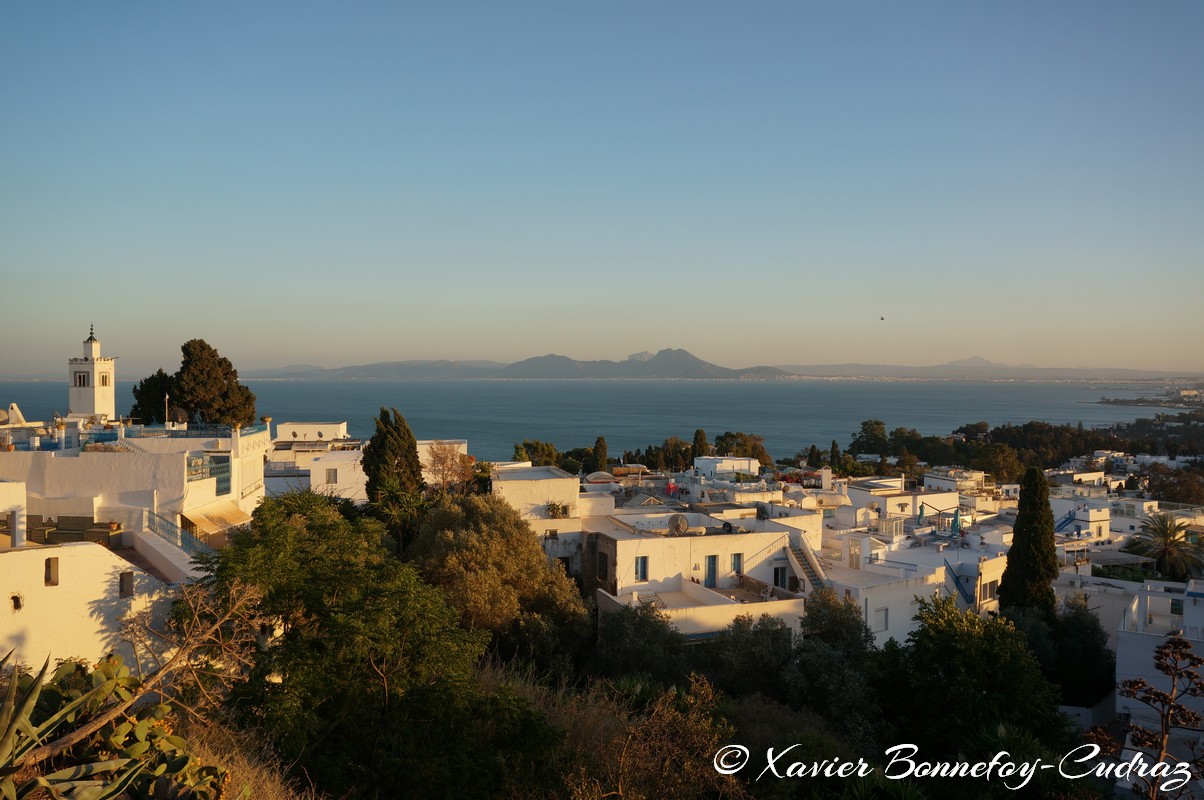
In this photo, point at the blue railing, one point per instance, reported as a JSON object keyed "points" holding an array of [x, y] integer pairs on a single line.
{"points": [[173, 534], [962, 590], [1064, 523], [192, 432]]}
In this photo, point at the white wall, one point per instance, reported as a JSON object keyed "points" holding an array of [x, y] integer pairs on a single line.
{"points": [[78, 617], [311, 431], [670, 557], [529, 496], [349, 470]]}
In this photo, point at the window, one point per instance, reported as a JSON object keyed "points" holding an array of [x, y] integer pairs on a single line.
{"points": [[738, 563], [881, 616], [52, 572], [18, 602], [779, 577], [104, 379], [1177, 607], [989, 591], [81, 379], [125, 584], [332, 475], [602, 571], [641, 568]]}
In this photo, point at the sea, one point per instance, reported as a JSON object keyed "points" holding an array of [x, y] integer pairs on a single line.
{"points": [[791, 415]]}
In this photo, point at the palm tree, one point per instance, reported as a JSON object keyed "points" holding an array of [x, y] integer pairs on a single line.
{"points": [[399, 510], [1164, 538]]}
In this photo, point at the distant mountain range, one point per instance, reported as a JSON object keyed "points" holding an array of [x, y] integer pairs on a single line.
{"points": [[670, 364], [667, 364]]}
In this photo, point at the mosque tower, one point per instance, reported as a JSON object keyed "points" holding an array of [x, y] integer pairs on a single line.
{"points": [[92, 392]]}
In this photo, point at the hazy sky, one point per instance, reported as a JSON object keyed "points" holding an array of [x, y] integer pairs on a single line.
{"points": [[337, 183]]}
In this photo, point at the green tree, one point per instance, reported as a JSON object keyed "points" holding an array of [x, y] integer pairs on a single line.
{"points": [[207, 387], [640, 641], [743, 445], [870, 439], [1163, 537], [829, 671], [834, 456], [601, 457], [1027, 580], [1001, 461], [488, 561], [965, 674], [363, 647], [813, 458], [149, 397], [750, 655], [1084, 665], [540, 454], [391, 457], [701, 447]]}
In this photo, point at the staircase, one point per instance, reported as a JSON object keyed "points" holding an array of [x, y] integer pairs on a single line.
{"points": [[1064, 522], [806, 563]]}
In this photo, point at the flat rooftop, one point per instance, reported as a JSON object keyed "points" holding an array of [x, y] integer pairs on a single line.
{"points": [[532, 474]]}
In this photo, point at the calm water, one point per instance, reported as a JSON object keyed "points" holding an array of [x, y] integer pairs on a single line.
{"points": [[791, 415]]}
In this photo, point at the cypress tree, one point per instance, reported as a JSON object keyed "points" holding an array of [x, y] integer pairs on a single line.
{"points": [[813, 457], [1033, 559], [834, 455], [207, 387], [601, 457], [391, 457], [700, 447]]}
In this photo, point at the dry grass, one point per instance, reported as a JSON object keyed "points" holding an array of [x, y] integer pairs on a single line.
{"points": [[250, 762]]}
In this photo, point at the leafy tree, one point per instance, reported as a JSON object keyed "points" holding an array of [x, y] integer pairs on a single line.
{"points": [[1084, 665], [701, 447], [391, 457], [540, 454], [1163, 537], [870, 439], [149, 397], [829, 668], [363, 647], [1182, 485], [743, 445], [207, 387], [903, 439], [1027, 580], [488, 561], [750, 655], [600, 455], [813, 458], [1001, 461], [966, 673], [640, 640]]}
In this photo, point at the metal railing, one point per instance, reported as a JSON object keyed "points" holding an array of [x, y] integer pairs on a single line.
{"points": [[174, 535]]}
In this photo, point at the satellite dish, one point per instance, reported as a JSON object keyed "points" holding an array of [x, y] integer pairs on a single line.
{"points": [[873, 506], [678, 524]]}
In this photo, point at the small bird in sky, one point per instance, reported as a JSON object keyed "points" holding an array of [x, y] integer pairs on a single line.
{"points": [[882, 318]]}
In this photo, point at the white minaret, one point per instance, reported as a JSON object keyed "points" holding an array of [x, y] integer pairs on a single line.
{"points": [[91, 380]]}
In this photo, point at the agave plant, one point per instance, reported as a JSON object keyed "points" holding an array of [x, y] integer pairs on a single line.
{"points": [[131, 755]]}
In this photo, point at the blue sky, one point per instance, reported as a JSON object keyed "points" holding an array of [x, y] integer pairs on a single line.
{"points": [[340, 183]]}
